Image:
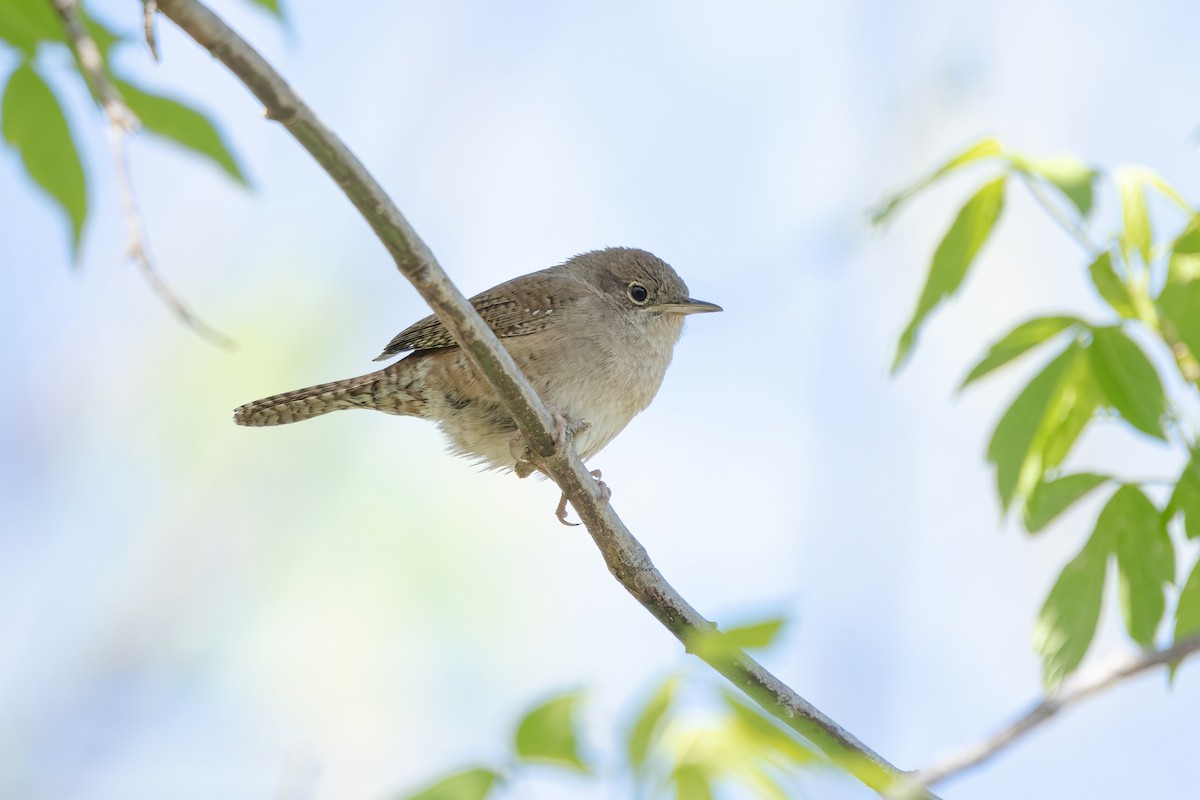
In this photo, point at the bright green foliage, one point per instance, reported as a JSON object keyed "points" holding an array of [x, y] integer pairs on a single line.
{"points": [[1067, 621], [648, 727], [692, 782], [1187, 614], [755, 635], [1185, 254], [34, 125], [1145, 558], [1101, 367], [1128, 379], [547, 734], [270, 5], [720, 645], [1017, 342], [182, 124], [954, 256], [25, 24], [1112, 289], [1137, 235], [1185, 499], [1052, 497], [470, 784], [1075, 179], [1180, 305], [983, 149], [765, 733], [1042, 424]]}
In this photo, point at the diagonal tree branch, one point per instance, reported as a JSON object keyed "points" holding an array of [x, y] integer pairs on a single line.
{"points": [[624, 555], [1122, 667], [121, 122]]}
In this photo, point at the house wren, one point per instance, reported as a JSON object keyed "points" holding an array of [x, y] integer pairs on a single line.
{"points": [[594, 337]]}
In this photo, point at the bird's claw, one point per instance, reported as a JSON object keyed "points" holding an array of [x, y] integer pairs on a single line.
{"points": [[523, 455], [601, 487]]}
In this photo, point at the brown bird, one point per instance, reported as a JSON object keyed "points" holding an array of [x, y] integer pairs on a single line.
{"points": [[594, 337]]}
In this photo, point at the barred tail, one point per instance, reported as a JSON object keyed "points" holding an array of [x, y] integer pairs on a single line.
{"points": [[314, 401]]}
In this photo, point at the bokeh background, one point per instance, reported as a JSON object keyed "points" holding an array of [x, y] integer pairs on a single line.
{"points": [[338, 609]]}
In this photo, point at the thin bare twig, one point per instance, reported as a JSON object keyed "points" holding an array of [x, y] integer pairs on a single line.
{"points": [[149, 14], [121, 122], [626, 558], [1114, 670]]}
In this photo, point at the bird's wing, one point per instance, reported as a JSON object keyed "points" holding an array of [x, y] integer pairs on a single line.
{"points": [[518, 307]]}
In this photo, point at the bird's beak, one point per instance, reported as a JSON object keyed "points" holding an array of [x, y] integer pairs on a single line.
{"points": [[690, 307]]}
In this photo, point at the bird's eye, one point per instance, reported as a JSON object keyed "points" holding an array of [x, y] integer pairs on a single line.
{"points": [[638, 293]]}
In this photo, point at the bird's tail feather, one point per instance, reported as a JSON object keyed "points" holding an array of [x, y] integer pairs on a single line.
{"points": [[314, 401]]}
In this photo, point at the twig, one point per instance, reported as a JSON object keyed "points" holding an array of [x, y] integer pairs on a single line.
{"points": [[624, 555], [149, 10], [121, 122], [1118, 668]]}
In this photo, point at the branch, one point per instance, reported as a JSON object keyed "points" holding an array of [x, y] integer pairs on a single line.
{"points": [[624, 555], [121, 122], [1118, 669]]}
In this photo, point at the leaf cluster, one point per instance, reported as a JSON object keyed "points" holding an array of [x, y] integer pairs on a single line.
{"points": [[669, 749], [34, 124], [1114, 369]]}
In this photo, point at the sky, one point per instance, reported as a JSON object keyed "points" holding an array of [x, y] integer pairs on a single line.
{"points": [[341, 609]]}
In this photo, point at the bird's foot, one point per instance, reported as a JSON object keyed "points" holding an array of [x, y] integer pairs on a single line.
{"points": [[564, 430], [601, 486]]}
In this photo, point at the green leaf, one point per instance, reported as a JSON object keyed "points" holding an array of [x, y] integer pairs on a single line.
{"points": [[547, 734], [1145, 558], [764, 732], [1137, 234], [1128, 380], [954, 256], [469, 784], [1051, 498], [985, 148], [646, 729], [1042, 424], [33, 124], [1080, 398], [1068, 618], [1072, 177], [691, 782], [1017, 342], [755, 635], [1110, 286], [25, 24], [1185, 499], [1185, 254], [1168, 191], [183, 125], [1187, 613], [269, 5], [1180, 306]]}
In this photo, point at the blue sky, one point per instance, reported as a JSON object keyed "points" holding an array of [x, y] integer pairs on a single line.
{"points": [[191, 609]]}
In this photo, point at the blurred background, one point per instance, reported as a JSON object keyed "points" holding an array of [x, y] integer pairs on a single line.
{"points": [[339, 609]]}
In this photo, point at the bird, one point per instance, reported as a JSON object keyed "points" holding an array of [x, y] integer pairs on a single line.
{"points": [[594, 336]]}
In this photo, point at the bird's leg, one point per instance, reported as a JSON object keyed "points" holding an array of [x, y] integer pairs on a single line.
{"points": [[605, 494]]}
